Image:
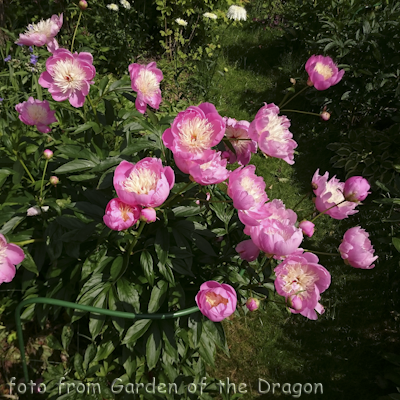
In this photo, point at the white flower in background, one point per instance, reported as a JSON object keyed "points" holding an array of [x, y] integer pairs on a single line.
{"points": [[237, 13], [125, 4], [181, 22], [210, 15], [112, 7]]}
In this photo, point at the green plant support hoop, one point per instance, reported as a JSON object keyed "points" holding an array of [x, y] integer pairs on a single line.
{"points": [[68, 304]]}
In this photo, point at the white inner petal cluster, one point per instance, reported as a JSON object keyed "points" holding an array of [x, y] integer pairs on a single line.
{"points": [[237, 13], [275, 129], [41, 27], [240, 144], [68, 75], [324, 70], [141, 181], [3, 249], [196, 134], [251, 188], [37, 113], [299, 280], [147, 83], [336, 194], [125, 209]]}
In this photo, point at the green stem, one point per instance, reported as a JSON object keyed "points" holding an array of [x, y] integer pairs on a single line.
{"points": [[93, 108], [26, 169], [76, 29], [25, 242], [301, 200], [177, 194], [321, 252], [323, 212], [302, 112], [41, 185], [295, 95], [266, 264]]}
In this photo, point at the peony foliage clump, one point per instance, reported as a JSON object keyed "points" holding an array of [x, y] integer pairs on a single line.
{"points": [[108, 203]]}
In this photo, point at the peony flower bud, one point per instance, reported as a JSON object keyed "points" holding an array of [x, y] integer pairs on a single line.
{"points": [[54, 180], [48, 154], [83, 5], [295, 302], [307, 227], [33, 211], [356, 189], [252, 304], [148, 215], [325, 115]]}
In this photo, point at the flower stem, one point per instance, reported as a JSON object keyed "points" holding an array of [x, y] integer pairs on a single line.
{"points": [[322, 253], [25, 242], [266, 264], [295, 95], [177, 194], [76, 29], [25, 168], [41, 185], [302, 112], [93, 108], [301, 200], [323, 212]]}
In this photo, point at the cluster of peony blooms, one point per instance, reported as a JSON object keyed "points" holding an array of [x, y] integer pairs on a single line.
{"points": [[192, 138]]}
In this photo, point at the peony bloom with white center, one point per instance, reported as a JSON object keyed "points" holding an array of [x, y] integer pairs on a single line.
{"points": [[113, 7], [120, 216], [323, 72], [36, 112], [236, 132], [330, 193], [181, 22], [68, 76], [210, 15], [146, 183], [194, 132], [125, 4], [301, 280], [145, 80], [10, 256], [272, 134], [42, 33], [237, 13]]}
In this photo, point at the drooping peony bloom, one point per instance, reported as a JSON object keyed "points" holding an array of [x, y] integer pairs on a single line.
{"points": [[272, 134], [210, 15], [237, 13], [236, 132], [252, 304], [194, 132], [33, 211], [323, 72], [275, 238], [113, 7], [181, 22], [307, 227], [148, 215], [146, 183], [36, 112], [356, 249], [247, 250], [301, 279], [330, 193], [43, 32], [216, 301], [68, 76], [356, 189], [10, 256], [125, 4], [145, 80], [120, 216], [209, 171]]}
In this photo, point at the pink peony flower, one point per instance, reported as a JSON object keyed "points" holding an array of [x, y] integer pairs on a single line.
{"points": [[47, 154], [356, 249], [236, 132], [301, 280], [42, 33], [307, 227], [275, 238], [148, 215], [356, 189], [146, 82], [194, 132], [146, 183], [252, 304], [247, 250], [68, 76], [10, 256], [330, 193], [36, 112], [120, 216], [216, 301], [278, 211], [209, 171], [272, 133], [323, 72], [325, 115]]}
